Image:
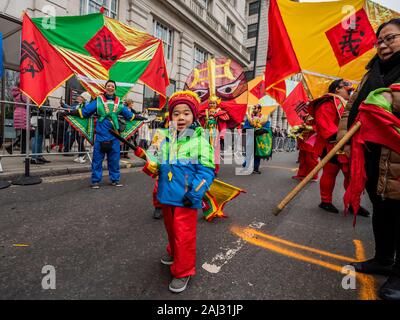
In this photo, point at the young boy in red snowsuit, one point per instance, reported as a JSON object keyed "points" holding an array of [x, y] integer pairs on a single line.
{"points": [[185, 169]]}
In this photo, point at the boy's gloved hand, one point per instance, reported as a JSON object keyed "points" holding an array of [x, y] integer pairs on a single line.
{"points": [[187, 202]]}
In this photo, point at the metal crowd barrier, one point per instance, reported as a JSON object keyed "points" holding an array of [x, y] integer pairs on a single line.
{"points": [[280, 144], [49, 134]]}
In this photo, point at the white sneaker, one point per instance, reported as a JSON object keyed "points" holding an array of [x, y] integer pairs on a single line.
{"points": [[82, 160], [179, 284], [76, 160]]}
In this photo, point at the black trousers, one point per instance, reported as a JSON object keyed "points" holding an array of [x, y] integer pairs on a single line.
{"points": [[386, 214], [21, 140], [386, 228]]}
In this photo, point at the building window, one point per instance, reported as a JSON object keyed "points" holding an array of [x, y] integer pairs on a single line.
{"points": [[205, 3], [93, 6], [166, 35], [200, 56], [151, 99], [252, 30], [252, 51], [254, 7], [230, 25]]}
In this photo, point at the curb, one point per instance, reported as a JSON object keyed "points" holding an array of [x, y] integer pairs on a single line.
{"points": [[52, 172]]}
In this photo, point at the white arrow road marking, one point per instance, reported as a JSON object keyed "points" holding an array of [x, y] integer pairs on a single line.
{"points": [[223, 258]]}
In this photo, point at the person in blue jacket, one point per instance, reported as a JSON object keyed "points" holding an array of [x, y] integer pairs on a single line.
{"points": [[183, 160], [107, 106]]}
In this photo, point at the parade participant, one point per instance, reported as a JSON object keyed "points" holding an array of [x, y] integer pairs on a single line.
{"points": [[185, 170], [262, 136], [213, 119], [131, 107], [107, 107], [382, 165], [308, 159], [327, 111]]}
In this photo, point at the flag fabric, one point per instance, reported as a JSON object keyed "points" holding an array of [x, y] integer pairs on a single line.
{"points": [[1, 55], [258, 95], [42, 70], [217, 197], [281, 57], [256, 90], [378, 125], [330, 42], [107, 49], [379, 14], [130, 128], [278, 92], [295, 106], [85, 126]]}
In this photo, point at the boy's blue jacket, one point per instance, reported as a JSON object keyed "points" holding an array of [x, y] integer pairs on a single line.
{"points": [[185, 166]]}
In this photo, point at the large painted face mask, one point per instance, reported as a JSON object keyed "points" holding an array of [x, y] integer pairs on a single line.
{"points": [[220, 77]]}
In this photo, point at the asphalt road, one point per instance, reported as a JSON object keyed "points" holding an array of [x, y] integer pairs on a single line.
{"points": [[105, 244]]}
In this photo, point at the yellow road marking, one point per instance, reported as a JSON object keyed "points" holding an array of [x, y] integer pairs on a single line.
{"points": [[295, 245], [284, 168], [247, 235], [368, 290], [20, 245]]}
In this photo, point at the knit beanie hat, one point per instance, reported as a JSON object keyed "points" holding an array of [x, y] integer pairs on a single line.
{"points": [[86, 95], [190, 98]]}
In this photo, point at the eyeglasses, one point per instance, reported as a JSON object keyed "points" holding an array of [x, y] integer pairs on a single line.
{"points": [[345, 84], [388, 40]]}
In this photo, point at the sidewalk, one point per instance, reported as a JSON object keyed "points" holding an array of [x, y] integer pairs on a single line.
{"points": [[60, 165]]}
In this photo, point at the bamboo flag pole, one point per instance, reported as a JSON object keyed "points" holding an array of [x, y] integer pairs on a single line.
{"points": [[320, 165]]}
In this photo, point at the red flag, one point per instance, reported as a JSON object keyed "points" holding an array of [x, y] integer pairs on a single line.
{"points": [[259, 88], [42, 69], [156, 76], [278, 92], [281, 59], [377, 126], [295, 106], [338, 34]]}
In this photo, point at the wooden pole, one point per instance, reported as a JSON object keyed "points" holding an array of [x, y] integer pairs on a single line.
{"points": [[320, 165]]}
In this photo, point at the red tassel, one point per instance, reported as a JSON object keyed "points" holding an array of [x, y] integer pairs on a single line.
{"points": [[102, 10]]}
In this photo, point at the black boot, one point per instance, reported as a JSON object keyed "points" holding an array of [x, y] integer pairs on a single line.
{"points": [[373, 266], [157, 214], [328, 207], [361, 212], [390, 290], [9, 149]]}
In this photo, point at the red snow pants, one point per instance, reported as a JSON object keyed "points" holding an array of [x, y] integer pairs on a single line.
{"points": [[180, 224]]}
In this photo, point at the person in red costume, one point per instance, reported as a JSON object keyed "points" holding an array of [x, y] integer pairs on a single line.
{"points": [[308, 159], [214, 119], [327, 112]]}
